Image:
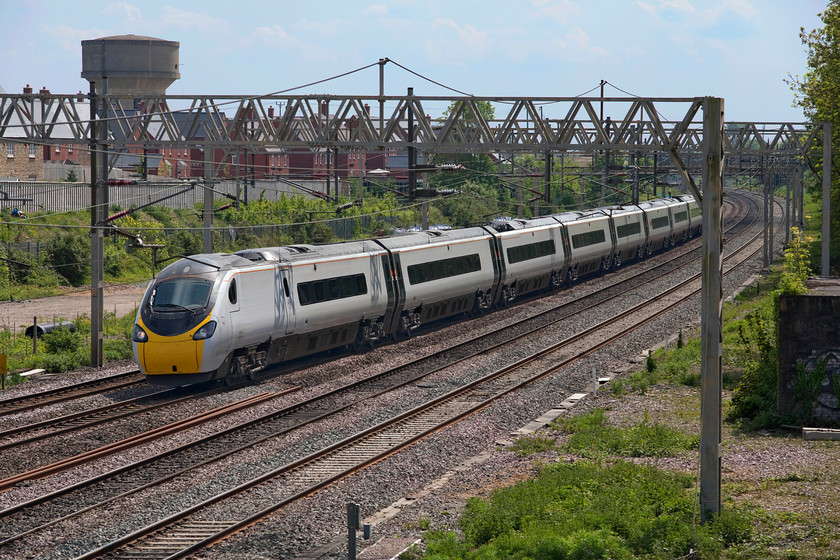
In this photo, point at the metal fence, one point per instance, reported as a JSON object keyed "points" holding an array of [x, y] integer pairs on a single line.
{"points": [[63, 196], [33, 196]]}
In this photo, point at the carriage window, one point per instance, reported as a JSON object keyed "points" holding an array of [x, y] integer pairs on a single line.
{"points": [[696, 211], [232, 291], [660, 222], [330, 289], [589, 238], [530, 251], [681, 216], [286, 287], [626, 230], [445, 268]]}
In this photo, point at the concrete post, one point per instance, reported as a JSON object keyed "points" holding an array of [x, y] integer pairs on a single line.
{"points": [[712, 308]]}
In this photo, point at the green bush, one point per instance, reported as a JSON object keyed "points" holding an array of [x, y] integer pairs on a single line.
{"points": [[62, 341], [589, 510], [69, 255]]}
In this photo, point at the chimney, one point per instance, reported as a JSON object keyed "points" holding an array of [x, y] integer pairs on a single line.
{"points": [[27, 90], [271, 111], [367, 109]]}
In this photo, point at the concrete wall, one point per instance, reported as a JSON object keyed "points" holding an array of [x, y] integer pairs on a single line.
{"points": [[809, 330]]}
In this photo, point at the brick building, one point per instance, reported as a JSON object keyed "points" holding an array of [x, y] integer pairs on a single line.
{"points": [[21, 161]]}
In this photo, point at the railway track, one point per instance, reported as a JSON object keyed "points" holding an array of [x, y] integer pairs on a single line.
{"points": [[311, 413], [216, 518], [62, 394], [77, 421]]}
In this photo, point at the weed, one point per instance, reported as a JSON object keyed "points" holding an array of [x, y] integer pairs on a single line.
{"points": [[525, 446]]}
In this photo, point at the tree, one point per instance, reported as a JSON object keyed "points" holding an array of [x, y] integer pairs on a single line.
{"points": [[818, 93], [71, 177]]}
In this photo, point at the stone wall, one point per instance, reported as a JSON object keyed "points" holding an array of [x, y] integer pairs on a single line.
{"points": [[809, 331]]}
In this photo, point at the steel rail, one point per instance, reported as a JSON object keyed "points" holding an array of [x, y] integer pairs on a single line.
{"points": [[68, 392], [135, 440]]}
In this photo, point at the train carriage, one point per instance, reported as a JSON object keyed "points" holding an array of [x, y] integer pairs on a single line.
{"points": [[531, 254], [442, 273], [336, 295], [658, 222], [680, 220], [695, 217], [630, 233], [590, 241]]}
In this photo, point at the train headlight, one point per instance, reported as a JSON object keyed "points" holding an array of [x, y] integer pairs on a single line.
{"points": [[206, 331], [139, 335]]}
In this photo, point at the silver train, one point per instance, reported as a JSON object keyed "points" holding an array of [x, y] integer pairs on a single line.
{"points": [[227, 316]]}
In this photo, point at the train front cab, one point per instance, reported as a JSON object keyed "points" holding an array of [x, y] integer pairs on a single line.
{"points": [[177, 329]]}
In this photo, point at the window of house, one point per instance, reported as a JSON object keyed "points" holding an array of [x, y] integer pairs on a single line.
{"points": [[32, 150], [69, 148], [10, 149], [58, 148]]}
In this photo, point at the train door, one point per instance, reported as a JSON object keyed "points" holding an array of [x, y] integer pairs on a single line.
{"points": [[287, 299], [231, 332]]}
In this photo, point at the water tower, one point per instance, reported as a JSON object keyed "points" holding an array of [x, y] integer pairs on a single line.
{"points": [[134, 66]]}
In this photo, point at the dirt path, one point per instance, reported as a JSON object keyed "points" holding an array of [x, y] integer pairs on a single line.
{"points": [[122, 299]]}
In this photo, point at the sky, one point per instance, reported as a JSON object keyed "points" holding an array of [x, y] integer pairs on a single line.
{"points": [[740, 50]]}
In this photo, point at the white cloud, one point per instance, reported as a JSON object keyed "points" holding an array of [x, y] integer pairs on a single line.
{"points": [[560, 10], [465, 37], [70, 38], [378, 9], [200, 21], [123, 10]]}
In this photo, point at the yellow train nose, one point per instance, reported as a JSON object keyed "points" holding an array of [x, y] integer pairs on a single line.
{"points": [[167, 356]]}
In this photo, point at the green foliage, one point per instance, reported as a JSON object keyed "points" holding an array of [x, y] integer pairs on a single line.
{"points": [[592, 436], [807, 386], [69, 255], [61, 340], [525, 446], [754, 400], [650, 363], [818, 93], [71, 176], [797, 265], [588, 510]]}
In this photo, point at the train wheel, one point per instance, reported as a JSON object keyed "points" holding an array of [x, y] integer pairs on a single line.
{"points": [[235, 374]]}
